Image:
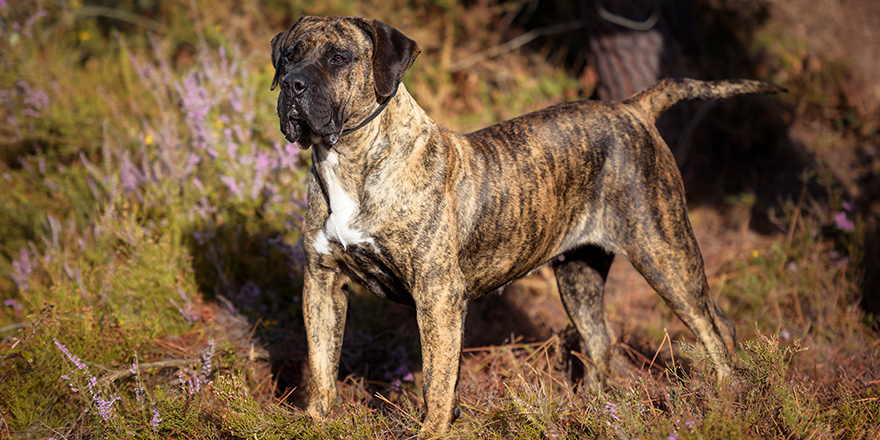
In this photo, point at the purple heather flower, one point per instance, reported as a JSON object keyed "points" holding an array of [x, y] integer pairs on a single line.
{"points": [[12, 303], [235, 100], [611, 409], [30, 21], [131, 176], [22, 270], [157, 418], [850, 206], [206, 359], [50, 184], [35, 98], [55, 227], [232, 185], [246, 297], [187, 310], [104, 406], [79, 282], [843, 223], [398, 366], [76, 361]]}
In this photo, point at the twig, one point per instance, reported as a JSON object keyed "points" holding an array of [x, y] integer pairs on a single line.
{"points": [[543, 347], [161, 364], [657, 353], [669, 341], [650, 400], [382, 398], [11, 327], [585, 360], [515, 43], [121, 15], [637, 354], [771, 416], [502, 347]]}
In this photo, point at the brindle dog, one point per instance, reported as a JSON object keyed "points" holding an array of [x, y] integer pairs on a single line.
{"points": [[427, 217]]}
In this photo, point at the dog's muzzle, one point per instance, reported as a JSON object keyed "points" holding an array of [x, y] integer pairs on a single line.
{"points": [[304, 110]]}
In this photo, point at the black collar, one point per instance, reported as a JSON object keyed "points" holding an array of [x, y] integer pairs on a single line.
{"points": [[375, 113]]}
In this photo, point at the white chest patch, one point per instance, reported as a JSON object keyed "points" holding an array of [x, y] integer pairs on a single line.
{"points": [[343, 208]]}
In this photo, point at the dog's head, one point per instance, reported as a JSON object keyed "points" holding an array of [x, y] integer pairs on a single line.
{"points": [[333, 71]]}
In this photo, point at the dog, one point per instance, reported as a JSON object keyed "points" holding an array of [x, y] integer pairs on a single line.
{"points": [[434, 219]]}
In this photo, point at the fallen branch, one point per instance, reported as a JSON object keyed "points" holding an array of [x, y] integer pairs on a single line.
{"points": [[515, 43], [167, 363]]}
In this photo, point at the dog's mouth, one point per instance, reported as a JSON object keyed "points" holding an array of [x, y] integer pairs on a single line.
{"points": [[295, 129], [307, 126]]}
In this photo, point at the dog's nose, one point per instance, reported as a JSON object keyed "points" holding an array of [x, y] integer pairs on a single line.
{"points": [[295, 83]]}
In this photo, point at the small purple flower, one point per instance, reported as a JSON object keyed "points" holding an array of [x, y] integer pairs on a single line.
{"points": [[398, 366], [22, 270], [157, 418], [33, 19], [131, 176], [784, 334], [187, 310], [206, 359], [76, 361], [247, 296], [105, 406], [12, 303], [838, 260], [843, 223], [79, 282], [611, 409], [850, 206], [232, 185]]}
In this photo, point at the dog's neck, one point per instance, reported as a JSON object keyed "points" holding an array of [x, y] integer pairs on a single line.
{"points": [[369, 149], [344, 169]]}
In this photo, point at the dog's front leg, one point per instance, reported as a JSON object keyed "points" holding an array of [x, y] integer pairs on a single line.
{"points": [[440, 313], [324, 307]]}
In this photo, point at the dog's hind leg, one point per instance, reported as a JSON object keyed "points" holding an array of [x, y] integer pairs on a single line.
{"points": [[581, 276], [673, 266]]}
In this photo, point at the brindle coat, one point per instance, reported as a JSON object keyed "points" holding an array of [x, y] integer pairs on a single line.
{"points": [[431, 218]]}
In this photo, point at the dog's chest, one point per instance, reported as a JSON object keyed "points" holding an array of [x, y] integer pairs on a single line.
{"points": [[344, 209]]}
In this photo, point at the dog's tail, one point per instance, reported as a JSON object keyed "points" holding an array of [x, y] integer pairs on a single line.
{"points": [[668, 92]]}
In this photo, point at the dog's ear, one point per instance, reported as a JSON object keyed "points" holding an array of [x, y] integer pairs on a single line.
{"points": [[393, 54], [276, 52]]}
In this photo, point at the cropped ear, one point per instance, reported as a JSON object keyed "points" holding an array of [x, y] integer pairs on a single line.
{"points": [[277, 41], [393, 54]]}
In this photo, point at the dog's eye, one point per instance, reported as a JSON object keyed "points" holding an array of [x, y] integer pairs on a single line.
{"points": [[288, 57], [337, 59]]}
